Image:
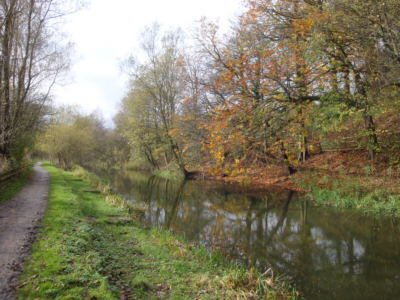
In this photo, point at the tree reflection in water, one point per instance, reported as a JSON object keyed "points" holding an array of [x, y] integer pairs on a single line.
{"points": [[329, 254]]}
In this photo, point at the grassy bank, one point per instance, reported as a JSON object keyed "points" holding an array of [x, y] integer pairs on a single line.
{"points": [[91, 247], [10, 187], [371, 195]]}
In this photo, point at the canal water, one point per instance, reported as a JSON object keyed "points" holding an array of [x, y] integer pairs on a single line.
{"points": [[329, 254]]}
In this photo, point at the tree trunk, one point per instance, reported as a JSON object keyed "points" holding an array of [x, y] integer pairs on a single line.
{"points": [[6, 77], [291, 170], [150, 158], [5, 150], [372, 137], [304, 154], [176, 153]]}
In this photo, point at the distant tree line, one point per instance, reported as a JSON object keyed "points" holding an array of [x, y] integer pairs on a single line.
{"points": [[71, 138]]}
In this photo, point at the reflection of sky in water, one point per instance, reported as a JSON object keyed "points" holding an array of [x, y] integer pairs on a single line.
{"points": [[294, 227], [359, 250], [272, 221], [329, 254]]}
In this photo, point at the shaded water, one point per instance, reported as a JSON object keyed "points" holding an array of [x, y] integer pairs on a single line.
{"points": [[329, 254]]}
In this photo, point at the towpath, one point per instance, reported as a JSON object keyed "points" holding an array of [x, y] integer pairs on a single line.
{"points": [[19, 220]]}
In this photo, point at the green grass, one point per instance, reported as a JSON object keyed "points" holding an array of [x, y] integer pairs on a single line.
{"points": [[13, 186], [91, 247], [351, 192]]}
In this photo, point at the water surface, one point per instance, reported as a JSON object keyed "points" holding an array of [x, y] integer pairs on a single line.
{"points": [[329, 254]]}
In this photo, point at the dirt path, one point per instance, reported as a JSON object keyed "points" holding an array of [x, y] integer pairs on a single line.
{"points": [[19, 218]]}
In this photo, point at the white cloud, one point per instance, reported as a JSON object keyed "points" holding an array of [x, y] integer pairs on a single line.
{"points": [[108, 31]]}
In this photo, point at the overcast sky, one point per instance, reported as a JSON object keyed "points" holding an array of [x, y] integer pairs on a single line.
{"points": [[107, 32]]}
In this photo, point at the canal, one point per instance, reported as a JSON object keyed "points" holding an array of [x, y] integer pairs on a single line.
{"points": [[329, 254]]}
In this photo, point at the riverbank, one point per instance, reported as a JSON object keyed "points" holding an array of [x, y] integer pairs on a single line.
{"points": [[91, 246], [341, 180]]}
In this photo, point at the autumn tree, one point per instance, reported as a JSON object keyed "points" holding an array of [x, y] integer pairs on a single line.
{"points": [[359, 40], [267, 79]]}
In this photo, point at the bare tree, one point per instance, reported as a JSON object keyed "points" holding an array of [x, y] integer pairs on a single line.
{"points": [[161, 77], [31, 60]]}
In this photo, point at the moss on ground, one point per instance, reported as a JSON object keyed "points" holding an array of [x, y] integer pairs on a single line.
{"points": [[91, 247]]}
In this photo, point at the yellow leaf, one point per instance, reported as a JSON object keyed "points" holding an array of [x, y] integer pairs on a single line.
{"points": [[171, 132]]}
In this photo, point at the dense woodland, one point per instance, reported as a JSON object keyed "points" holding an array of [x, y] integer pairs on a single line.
{"points": [[291, 80]]}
